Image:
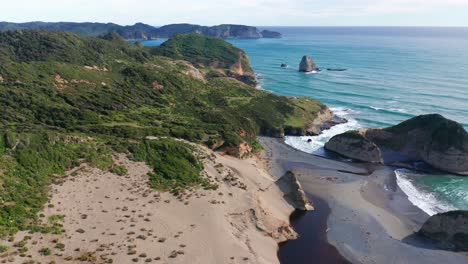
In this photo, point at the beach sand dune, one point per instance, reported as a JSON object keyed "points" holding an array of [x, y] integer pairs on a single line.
{"points": [[119, 219]]}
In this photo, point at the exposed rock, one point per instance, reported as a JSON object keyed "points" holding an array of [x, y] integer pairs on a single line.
{"points": [[241, 151], [355, 145], [307, 64], [449, 230], [96, 68], [1, 79], [325, 120], [59, 82], [439, 142], [293, 192], [157, 86], [284, 65]]}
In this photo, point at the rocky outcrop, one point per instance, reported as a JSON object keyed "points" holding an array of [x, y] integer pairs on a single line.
{"points": [[324, 120], [355, 145], [241, 151], [440, 142], [1, 79], [293, 192], [307, 64], [449, 230]]}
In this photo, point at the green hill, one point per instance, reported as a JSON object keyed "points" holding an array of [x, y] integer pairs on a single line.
{"points": [[215, 56], [142, 31], [66, 98]]}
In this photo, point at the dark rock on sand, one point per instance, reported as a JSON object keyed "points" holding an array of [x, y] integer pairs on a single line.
{"points": [[293, 192], [307, 65], [440, 142], [449, 230]]}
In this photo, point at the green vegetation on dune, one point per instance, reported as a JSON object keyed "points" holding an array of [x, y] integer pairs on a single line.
{"points": [[66, 99], [173, 162]]}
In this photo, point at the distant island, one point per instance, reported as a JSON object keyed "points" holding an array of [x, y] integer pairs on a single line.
{"points": [[141, 31]]}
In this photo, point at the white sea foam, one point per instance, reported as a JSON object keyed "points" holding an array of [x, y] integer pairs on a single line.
{"points": [[425, 200], [317, 142]]}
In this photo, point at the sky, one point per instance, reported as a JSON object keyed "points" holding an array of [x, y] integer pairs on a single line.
{"points": [[249, 12]]}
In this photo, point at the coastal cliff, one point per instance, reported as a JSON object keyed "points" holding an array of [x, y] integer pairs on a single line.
{"points": [[440, 142], [140, 31]]}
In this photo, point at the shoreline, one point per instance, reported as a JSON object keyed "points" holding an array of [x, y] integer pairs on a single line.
{"points": [[371, 220]]}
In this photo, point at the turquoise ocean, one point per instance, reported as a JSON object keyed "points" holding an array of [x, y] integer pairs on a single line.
{"points": [[392, 74]]}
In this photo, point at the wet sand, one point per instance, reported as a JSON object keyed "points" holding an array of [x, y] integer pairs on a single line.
{"points": [[371, 219]]}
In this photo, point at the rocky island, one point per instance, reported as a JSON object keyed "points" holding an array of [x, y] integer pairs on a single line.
{"points": [[140, 31], [307, 64], [440, 142]]}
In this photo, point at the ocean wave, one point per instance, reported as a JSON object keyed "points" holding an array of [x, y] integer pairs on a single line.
{"points": [[425, 200], [317, 142]]}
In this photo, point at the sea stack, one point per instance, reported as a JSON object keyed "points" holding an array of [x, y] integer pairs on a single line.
{"points": [[307, 64]]}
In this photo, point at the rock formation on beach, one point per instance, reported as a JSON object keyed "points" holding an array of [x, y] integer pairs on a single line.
{"points": [[307, 64], [449, 230], [440, 142], [293, 192]]}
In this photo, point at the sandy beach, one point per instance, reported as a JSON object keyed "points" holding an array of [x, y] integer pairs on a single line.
{"points": [[371, 220], [107, 218], [118, 219]]}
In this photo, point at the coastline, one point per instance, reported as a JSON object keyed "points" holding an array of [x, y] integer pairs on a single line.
{"points": [[371, 220]]}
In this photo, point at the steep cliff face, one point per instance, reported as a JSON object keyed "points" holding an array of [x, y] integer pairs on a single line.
{"points": [[294, 193], [434, 139], [449, 230]]}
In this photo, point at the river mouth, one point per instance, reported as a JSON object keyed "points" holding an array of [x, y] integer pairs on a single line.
{"points": [[312, 246]]}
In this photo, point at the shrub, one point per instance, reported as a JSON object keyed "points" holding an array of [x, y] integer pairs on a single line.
{"points": [[45, 251]]}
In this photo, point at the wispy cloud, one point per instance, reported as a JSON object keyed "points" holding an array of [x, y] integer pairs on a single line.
{"points": [[304, 12]]}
